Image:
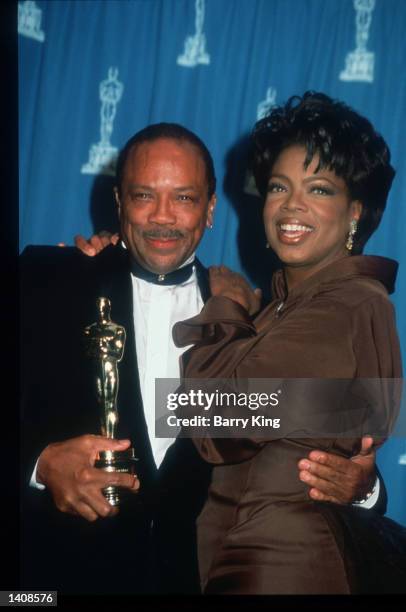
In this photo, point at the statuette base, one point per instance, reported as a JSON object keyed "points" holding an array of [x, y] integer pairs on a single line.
{"points": [[116, 461]]}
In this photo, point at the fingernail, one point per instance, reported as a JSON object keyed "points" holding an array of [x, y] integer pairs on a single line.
{"points": [[304, 476], [304, 464], [91, 251]]}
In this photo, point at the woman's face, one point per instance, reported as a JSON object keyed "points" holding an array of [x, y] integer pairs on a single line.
{"points": [[307, 215]]}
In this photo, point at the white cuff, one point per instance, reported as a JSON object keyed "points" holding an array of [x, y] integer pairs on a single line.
{"points": [[370, 501], [33, 482]]}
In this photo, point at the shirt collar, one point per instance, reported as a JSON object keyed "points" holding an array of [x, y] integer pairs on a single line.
{"points": [[174, 277]]}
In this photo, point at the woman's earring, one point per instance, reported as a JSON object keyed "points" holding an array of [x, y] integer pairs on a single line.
{"points": [[267, 245], [350, 240]]}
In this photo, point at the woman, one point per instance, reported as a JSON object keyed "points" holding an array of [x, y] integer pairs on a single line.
{"points": [[324, 175]]}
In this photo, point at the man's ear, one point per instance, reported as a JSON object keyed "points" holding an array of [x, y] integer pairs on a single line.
{"points": [[210, 211]]}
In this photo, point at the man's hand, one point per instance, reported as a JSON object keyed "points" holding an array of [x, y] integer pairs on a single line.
{"points": [[339, 480], [225, 282], [96, 243], [67, 470]]}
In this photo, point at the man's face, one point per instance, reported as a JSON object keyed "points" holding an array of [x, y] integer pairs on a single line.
{"points": [[164, 207]]}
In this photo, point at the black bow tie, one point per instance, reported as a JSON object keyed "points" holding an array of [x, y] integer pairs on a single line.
{"points": [[176, 277]]}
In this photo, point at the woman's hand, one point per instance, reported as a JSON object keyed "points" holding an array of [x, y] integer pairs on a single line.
{"points": [[224, 282]]}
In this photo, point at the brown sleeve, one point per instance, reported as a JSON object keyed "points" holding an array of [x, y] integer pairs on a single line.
{"points": [[221, 332], [376, 342], [378, 358], [217, 310]]}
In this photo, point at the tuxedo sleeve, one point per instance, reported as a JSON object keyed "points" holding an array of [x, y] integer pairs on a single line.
{"points": [[53, 387]]}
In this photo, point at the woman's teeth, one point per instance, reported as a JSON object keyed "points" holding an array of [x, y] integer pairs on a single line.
{"points": [[290, 227]]}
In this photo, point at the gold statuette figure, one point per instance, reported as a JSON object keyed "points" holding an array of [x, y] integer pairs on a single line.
{"points": [[105, 342]]}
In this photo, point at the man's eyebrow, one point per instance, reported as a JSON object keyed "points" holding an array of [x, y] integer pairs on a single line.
{"points": [[185, 188], [139, 186], [180, 188]]}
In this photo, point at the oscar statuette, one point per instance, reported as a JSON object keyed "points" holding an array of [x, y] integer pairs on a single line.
{"points": [[104, 341]]}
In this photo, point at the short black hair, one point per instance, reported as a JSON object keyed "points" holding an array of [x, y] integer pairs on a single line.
{"points": [[345, 142], [172, 131]]}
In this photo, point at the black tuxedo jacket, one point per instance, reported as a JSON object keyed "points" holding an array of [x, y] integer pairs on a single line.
{"points": [[59, 288]]}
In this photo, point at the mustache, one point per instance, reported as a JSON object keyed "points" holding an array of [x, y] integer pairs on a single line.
{"points": [[163, 233]]}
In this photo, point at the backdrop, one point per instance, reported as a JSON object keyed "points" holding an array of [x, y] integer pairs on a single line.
{"points": [[92, 73]]}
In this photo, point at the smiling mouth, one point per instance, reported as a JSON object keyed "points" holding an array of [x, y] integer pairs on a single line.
{"points": [[162, 239], [292, 233], [161, 243]]}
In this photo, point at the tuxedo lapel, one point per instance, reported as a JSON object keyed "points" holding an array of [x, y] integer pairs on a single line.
{"points": [[202, 274], [115, 284]]}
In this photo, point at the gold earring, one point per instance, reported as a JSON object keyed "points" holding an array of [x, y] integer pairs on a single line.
{"points": [[350, 240]]}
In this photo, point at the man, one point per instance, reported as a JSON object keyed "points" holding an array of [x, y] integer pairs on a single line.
{"points": [[166, 198]]}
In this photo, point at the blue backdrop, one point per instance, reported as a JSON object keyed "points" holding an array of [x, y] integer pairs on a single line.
{"points": [[92, 73]]}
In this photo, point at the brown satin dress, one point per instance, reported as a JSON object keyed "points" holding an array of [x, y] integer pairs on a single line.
{"points": [[259, 533]]}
